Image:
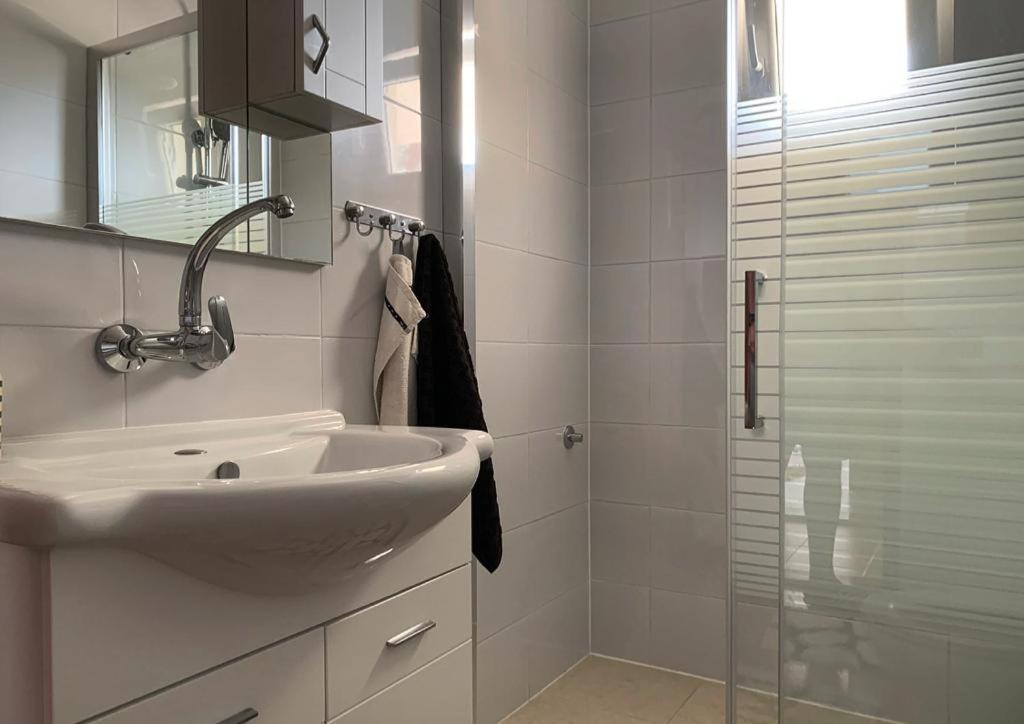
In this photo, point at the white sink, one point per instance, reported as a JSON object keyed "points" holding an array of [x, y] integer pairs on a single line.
{"points": [[315, 501]]}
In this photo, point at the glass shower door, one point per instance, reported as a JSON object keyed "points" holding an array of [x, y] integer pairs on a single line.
{"points": [[878, 507]]}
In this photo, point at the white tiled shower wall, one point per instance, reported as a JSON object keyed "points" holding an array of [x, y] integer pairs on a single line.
{"points": [[306, 335], [532, 616], [658, 305]]}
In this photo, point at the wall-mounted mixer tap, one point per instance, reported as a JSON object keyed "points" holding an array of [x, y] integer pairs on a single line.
{"points": [[124, 348]]}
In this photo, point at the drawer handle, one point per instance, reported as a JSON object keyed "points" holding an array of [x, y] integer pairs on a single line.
{"points": [[410, 633], [242, 716]]}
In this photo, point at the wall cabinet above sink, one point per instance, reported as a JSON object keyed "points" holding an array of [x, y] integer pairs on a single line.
{"points": [[311, 66]]}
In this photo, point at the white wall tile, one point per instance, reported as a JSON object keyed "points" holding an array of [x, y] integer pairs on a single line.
{"points": [[498, 271], [557, 215], [688, 633], [557, 476], [688, 552], [621, 620], [689, 47], [53, 382], [265, 376], [43, 200], [620, 55], [619, 462], [45, 138], [756, 646], [49, 63], [504, 377], [688, 385], [560, 554], [501, 97], [348, 378], [412, 56], [502, 197], [352, 292], [395, 164], [620, 304], [134, 15], [152, 277], [688, 216], [620, 229], [556, 302], [688, 301], [557, 129], [620, 142], [559, 636], [620, 543], [702, 147], [620, 389], [512, 478], [602, 11], [502, 673], [558, 385], [557, 41], [687, 468], [502, 597], [76, 283]]}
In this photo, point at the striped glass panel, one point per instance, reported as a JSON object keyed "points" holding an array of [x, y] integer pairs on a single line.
{"points": [[900, 341]]}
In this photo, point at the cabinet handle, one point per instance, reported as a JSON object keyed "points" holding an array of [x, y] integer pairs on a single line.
{"points": [[409, 634], [242, 716], [325, 44]]}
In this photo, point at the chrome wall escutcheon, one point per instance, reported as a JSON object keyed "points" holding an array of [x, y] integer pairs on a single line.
{"points": [[409, 634], [570, 437]]}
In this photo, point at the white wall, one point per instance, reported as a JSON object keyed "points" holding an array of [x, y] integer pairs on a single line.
{"points": [[532, 616], [306, 335], [658, 303]]}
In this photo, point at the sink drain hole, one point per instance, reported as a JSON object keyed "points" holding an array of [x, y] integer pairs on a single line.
{"points": [[190, 451]]}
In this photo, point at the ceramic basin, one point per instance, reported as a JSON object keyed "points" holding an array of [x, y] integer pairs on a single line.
{"points": [[315, 499]]}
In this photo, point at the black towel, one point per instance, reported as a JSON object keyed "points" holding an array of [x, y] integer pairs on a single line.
{"points": [[447, 394]]}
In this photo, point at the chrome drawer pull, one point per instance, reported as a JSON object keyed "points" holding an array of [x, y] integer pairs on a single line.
{"points": [[242, 716], [410, 633]]}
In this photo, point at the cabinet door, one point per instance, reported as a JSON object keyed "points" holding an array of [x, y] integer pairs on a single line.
{"points": [[346, 61]]}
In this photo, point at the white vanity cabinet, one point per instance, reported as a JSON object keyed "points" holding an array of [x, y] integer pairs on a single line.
{"points": [[309, 66], [129, 640]]}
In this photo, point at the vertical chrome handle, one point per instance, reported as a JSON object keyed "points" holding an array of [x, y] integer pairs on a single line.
{"points": [[752, 283], [242, 716], [325, 44]]}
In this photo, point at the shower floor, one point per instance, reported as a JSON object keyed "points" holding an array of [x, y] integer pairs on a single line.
{"points": [[606, 691]]}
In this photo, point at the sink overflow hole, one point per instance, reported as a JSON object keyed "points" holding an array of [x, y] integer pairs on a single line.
{"points": [[190, 451]]}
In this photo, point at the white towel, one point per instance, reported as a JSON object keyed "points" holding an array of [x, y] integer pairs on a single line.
{"points": [[401, 313]]}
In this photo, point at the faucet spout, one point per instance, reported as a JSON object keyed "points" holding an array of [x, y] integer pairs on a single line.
{"points": [[190, 314], [123, 348]]}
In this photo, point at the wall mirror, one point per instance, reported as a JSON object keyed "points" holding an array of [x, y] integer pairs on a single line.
{"points": [[100, 129]]}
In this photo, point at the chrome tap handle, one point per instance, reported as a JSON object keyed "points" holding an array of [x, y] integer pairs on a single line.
{"points": [[220, 318]]}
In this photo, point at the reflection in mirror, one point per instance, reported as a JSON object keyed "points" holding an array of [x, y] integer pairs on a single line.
{"points": [[100, 128]]}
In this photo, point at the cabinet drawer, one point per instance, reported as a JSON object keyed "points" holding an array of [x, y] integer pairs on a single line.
{"points": [[284, 684], [366, 651], [441, 693]]}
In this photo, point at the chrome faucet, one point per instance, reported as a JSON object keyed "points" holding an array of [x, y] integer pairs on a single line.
{"points": [[124, 348]]}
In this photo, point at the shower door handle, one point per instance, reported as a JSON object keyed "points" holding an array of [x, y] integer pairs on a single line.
{"points": [[752, 283]]}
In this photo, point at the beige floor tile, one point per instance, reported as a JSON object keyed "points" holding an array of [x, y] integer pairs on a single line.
{"points": [[707, 706], [604, 685], [549, 709]]}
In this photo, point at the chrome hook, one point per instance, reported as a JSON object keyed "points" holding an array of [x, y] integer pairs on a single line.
{"points": [[415, 227], [355, 212]]}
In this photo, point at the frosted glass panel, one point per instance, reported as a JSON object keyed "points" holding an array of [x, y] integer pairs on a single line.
{"points": [[902, 380]]}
